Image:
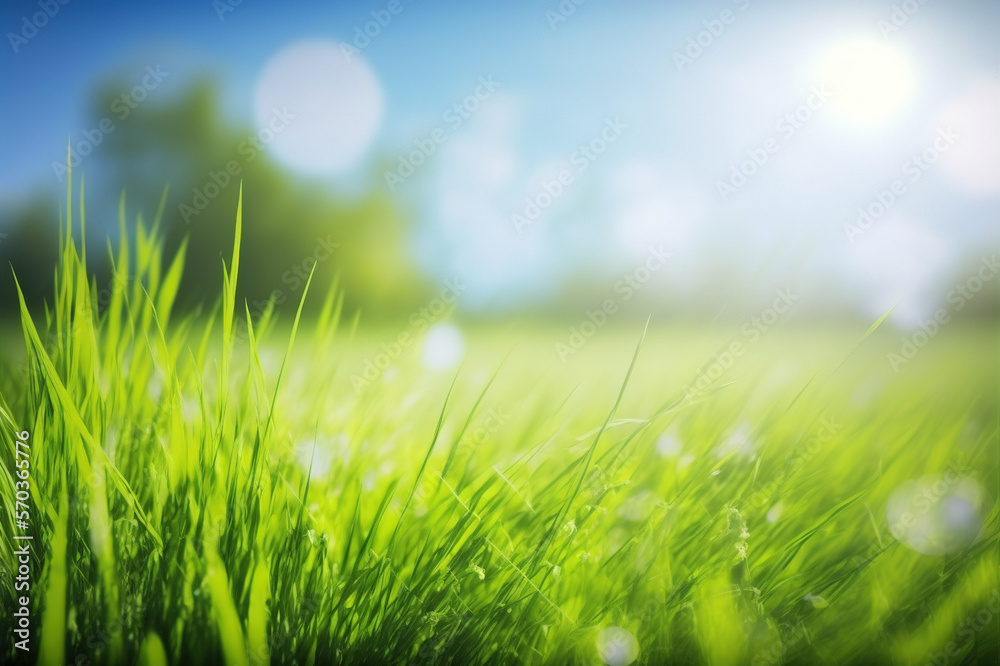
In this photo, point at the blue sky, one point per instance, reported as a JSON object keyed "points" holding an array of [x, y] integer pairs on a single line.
{"points": [[658, 183]]}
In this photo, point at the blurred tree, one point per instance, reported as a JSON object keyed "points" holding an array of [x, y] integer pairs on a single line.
{"points": [[289, 224], [28, 247]]}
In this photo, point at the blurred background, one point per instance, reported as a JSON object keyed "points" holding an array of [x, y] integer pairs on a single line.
{"points": [[540, 159]]}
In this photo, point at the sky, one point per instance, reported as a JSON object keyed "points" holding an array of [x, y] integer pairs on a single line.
{"points": [[744, 138]]}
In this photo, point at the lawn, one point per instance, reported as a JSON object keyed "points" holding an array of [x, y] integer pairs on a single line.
{"points": [[201, 492]]}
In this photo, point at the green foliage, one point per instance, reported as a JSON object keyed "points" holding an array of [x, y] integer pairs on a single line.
{"points": [[292, 224], [177, 520], [289, 221]]}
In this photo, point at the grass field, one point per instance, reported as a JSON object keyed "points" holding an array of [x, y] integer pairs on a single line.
{"points": [[199, 494]]}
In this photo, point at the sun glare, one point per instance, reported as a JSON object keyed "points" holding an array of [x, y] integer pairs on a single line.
{"points": [[870, 82], [318, 108]]}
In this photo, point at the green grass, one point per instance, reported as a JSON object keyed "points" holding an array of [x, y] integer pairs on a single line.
{"points": [[508, 513]]}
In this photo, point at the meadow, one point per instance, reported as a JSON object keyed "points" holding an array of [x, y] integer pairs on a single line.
{"points": [[203, 491]]}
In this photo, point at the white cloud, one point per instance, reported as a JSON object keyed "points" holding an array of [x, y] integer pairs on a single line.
{"points": [[901, 264], [973, 163]]}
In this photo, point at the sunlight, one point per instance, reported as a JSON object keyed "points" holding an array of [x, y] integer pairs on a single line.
{"points": [[333, 102], [870, 81]]}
